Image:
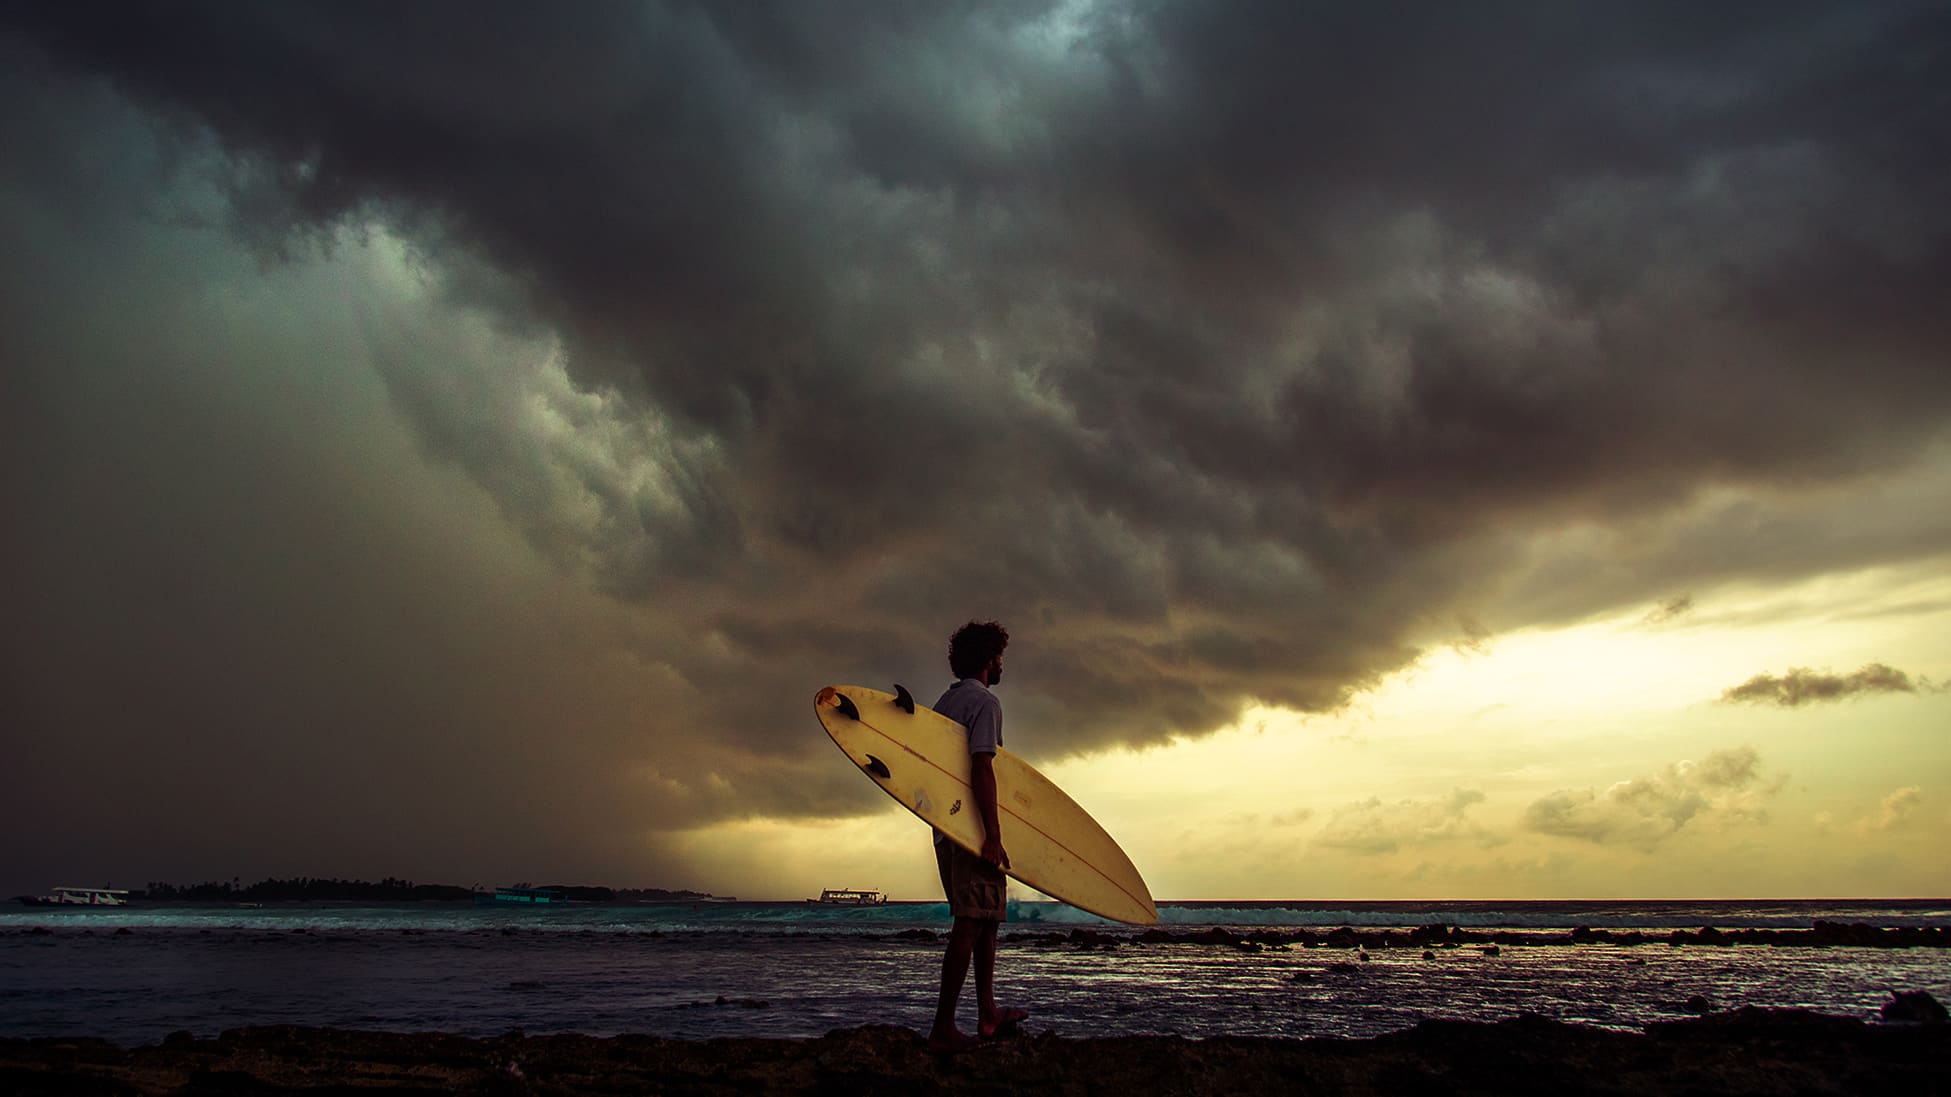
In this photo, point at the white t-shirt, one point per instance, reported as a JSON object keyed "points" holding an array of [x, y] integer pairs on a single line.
{"points": [[970, 703]]}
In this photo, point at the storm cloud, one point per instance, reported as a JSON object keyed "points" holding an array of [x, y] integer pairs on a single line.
{"points": [[1227, 352]]}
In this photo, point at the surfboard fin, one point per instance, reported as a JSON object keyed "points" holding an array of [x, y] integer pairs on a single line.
{"points": [[845, 704], [904, 699], [877, 767]]}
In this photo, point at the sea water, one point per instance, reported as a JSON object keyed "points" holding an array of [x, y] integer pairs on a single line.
{"points": [[135, 974]]}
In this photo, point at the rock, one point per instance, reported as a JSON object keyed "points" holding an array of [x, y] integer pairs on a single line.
{"points": [[1698, 1003], [1491, 950], [1428, 955], [1915, 1007], [1851, 935], [1213, 936], [1433, 934]]}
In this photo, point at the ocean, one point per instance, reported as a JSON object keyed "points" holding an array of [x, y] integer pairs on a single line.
{"points": [[699, 970]]}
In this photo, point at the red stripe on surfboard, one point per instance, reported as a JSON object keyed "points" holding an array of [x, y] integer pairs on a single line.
{"points": [[1080, 858]]}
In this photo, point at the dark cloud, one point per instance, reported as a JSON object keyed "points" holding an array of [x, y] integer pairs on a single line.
{"points": [[1726, 786], [1801, 686], [1227, 352], [1670, 610]]}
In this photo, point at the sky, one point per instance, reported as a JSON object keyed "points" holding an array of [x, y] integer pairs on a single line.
{"points": [[1419, 451]]}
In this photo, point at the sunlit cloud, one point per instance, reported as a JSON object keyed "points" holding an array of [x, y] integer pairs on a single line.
{"points": [[1645, 811], [1372, 826], [1898, 810]]}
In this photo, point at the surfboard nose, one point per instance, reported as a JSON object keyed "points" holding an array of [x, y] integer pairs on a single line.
{"points": [[833, 698]]}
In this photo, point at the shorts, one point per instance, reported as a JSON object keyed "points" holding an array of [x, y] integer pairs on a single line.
{"points": [[975, 888]]}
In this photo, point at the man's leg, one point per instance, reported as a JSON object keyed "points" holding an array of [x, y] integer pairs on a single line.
{"points": [[989, 1019], [962, 942], [985, 969]]}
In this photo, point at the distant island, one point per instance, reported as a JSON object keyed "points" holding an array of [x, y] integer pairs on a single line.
{"points": [[391, 890]]}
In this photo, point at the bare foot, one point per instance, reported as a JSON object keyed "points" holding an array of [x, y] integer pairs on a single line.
{"points": [[1005, 1021], [952, 1042]]}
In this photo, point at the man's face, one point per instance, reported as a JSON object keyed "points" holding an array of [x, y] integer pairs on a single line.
{"points": [[995, 670]]}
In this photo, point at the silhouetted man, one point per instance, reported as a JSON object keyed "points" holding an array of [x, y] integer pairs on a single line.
{"points": [[975, 886]]}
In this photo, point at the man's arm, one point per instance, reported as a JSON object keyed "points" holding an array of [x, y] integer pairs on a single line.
{"points": [[982, 780]]}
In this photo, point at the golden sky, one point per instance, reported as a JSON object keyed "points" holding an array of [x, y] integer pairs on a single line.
{"points": [[1429, 786]]}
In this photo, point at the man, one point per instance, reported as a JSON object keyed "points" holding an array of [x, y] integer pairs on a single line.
{"points": [[974, 884]]}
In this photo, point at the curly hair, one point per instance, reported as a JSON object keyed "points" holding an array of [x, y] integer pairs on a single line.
{"points": [[974, 645]]}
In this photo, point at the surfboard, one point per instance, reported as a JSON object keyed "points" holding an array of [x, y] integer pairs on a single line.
{"points": [[921, 758]]}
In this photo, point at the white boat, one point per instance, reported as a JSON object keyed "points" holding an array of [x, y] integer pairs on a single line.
{"points": [[850, 897], [80, 897], [521, 893]]}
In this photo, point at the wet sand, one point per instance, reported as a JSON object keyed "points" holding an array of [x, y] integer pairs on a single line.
{"points": [[1749, 1051]]}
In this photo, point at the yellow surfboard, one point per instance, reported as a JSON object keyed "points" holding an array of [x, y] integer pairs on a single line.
{"points": [[921, 758]]}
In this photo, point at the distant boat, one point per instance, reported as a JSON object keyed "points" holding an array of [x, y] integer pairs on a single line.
{"points": [[80, 897], [522, 894], [850, 897]]}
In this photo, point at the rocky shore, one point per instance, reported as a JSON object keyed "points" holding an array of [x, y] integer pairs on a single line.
{"points": [[1746, 1052], [1819, 935]]}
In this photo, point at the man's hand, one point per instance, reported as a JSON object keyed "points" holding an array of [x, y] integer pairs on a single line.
{"points": [[993, 852]]}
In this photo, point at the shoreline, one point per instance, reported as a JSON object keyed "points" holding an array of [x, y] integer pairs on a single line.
{"points": [[1821, 934], [1747, 1051]]}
